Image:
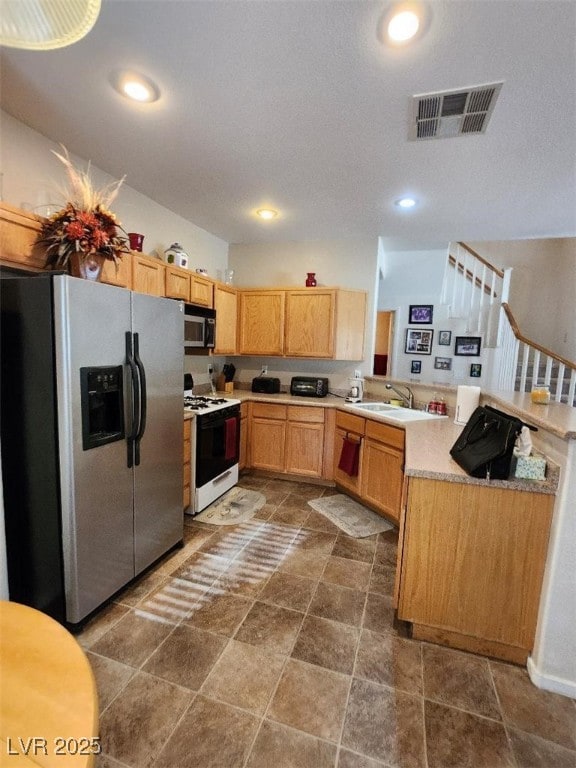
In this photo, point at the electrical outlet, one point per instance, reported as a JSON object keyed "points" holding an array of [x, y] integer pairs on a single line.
{"points": [[357, 374], [264, 370]]}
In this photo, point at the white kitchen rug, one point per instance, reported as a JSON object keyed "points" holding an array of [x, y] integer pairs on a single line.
{"points": [[353, 518], [236, 506]]}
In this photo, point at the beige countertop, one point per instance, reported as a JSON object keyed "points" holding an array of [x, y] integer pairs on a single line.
{"points": [[428, 442]]}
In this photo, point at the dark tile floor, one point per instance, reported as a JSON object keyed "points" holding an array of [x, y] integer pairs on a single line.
{"points": [[273, 644]]}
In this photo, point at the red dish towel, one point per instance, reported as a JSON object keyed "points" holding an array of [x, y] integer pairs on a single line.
{"points": [[349, 457], [230, 438]]}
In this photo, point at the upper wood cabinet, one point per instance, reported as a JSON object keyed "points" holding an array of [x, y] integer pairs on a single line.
{"points": [[148, 274], [314, 322], [226, 306], [261, 322], [18, 233], [119, 274], [201, 290], [177, 283]]}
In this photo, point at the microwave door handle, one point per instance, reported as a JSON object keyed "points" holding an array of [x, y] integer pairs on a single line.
{"points": [[143, 399], [134, 401]]}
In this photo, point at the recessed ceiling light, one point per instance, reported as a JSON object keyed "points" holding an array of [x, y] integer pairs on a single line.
{"points": [[405, 203], [136, 87], [404, 22], [267, 213]]}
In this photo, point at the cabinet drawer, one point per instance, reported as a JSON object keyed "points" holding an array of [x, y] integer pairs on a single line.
{"points": [[305, 413], [384, 433], [268, 411], [350, 423]]}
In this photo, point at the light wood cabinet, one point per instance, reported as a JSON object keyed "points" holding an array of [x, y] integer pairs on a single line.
{"points": [[325, 322], [305, 441], [382, 473], [177, 283], [201, 290], [119, 274], [314, 322], [147, 274], [226, 306], [472, 565], [348, 427], [187, 459], [244, 421], [287, 439], [267, 436], [262, 322], [18, 233]]}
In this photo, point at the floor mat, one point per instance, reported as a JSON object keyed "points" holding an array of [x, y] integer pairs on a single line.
{"points": [[353, 518], [236, 506]]}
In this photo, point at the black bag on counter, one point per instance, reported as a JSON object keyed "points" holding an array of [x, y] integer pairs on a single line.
{"points": [[486, 444]]}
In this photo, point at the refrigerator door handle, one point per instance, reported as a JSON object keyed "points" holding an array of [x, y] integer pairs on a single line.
{"points": [[135, 401], [143, 400]]}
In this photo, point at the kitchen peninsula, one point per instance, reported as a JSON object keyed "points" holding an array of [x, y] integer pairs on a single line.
{"points": [[473, 553]]}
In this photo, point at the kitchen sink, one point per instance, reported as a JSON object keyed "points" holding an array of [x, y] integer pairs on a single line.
{"points": [[396, 412]]}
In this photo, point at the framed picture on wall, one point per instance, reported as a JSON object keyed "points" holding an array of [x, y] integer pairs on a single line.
{"points": [[444, 338], [443, 363], [468, 346], [476, 370], [416, 366], [418, 342], [420, 314]]}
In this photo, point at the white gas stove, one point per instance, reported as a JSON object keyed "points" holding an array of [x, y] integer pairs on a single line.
{"points": [[206, 404]]}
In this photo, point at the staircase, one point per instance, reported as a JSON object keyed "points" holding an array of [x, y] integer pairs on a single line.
{"points": [[477, 292]]}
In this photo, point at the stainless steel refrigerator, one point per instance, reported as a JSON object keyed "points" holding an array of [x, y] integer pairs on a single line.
{"points": [[92, 438]]}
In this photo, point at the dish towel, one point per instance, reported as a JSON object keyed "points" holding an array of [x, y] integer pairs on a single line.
{"points": [[230, 438], [349, 457]]}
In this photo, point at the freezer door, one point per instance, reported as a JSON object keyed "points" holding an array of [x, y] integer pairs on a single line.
{"points": [[158, 328], [91, 320]]}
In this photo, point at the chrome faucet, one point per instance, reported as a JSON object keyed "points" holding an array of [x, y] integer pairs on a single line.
{"points": [[408, 399]]}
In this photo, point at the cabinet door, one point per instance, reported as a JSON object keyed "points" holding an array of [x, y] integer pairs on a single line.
{"points": [[267, 439], [119, 274], [226, 306], [309, 323], [472, 564], [177, 283], [304, 448], [262, 322], [382, 478], [201, 291], [147, 275], [19, 231]]}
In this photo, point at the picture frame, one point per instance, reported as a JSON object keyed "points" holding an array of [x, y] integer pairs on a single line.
{"points": [[420, 314], [444, 338], [416, 366], [443, 363], [467, 346], [475, 370], [418, 341]]}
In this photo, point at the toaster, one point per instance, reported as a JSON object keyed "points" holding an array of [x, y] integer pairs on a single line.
{"points": [[267, 384]]}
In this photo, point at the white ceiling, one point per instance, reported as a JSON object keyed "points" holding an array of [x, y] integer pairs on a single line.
{"points": [[297, 105]]}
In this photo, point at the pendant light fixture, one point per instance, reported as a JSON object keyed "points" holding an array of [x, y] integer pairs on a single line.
{"points": [[42, 25]]}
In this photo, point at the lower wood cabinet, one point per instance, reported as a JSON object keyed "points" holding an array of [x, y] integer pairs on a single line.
{"points": [[472, 563], [187, 459], [380, 477], [287, 439]]}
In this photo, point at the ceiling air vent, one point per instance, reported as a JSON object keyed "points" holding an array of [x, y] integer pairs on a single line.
{"points": [[462, 112]]}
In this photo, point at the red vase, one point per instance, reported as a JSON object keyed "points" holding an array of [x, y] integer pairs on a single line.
{"points": [[311, 279]]}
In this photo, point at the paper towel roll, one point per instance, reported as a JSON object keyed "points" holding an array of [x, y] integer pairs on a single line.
{"points": [[467, 400]]}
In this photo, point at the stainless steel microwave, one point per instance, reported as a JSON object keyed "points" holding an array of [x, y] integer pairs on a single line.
{"points": [[199, 326]]}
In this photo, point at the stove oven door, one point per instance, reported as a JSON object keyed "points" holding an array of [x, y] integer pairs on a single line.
{"points": [[217, 443]]}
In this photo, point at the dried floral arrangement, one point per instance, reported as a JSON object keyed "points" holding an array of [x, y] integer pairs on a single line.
{"points": [[85, 225]]}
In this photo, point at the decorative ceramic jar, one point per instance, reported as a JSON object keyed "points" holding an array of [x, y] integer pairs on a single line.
{"points": [[311, 279], [176, 255]]}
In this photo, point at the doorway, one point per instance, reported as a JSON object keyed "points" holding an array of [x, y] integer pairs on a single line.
{"points": [[383, 343]]}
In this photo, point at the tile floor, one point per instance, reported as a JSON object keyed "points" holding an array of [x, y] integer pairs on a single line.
{"points": [[273, 644]]}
